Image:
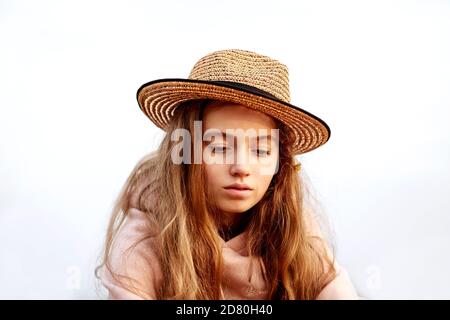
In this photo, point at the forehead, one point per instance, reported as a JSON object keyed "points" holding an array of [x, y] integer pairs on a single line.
{"points": [[227, 115]]}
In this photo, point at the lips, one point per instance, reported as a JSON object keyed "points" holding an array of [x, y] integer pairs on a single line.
{"points": [[238, 186], [238, 191]]}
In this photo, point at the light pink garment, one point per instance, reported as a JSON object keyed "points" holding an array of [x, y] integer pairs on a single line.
{"points": [[240, 282]]}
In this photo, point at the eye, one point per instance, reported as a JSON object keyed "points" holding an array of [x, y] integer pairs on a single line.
{"points": [[262, 152], [219, 149]]}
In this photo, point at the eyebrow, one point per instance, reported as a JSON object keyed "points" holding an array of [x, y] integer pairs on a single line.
{"points": [[224, 134]]}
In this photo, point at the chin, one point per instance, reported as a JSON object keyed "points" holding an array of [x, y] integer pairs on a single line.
{"points": [[235, 208]]}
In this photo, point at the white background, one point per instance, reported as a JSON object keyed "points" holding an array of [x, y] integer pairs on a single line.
{"points": [[378, 72]]}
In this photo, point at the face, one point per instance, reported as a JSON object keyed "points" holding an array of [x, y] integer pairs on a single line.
{"points": [[251, 161]]}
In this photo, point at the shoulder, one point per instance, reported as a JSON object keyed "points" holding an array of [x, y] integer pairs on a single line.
{"points": [[340, 288], [133, 262]]}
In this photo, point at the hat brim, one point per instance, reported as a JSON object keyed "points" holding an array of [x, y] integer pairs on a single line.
{"points": [[158, 100]]}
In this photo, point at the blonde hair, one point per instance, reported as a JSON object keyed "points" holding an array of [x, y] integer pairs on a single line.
{"points": [[297, 264]]}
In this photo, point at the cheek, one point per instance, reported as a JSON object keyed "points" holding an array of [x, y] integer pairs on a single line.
{"points": [[213, 175], [267, 167], [263, 185]]}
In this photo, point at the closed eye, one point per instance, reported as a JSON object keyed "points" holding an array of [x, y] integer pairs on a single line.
{"points": [[261, 152], [219, 149]]}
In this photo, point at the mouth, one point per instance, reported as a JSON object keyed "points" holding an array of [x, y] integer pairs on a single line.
{"points": [[238, 189], [236, 186], [238, 192]]}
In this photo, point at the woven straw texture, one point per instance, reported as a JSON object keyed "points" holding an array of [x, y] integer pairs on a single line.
{"points": [[159, 99]]}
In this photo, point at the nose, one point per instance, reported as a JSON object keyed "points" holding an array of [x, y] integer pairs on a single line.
{"points": [[240, 166], [241, 170]]}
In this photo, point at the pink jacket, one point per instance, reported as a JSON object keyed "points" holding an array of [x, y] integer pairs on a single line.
{"points": [[141, 264]]}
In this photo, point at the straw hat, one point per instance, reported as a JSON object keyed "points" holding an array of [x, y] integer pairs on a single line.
{"points": [[248, 78]]}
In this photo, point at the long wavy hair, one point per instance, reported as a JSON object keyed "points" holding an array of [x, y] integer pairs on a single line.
{"points": [[297, 264]]}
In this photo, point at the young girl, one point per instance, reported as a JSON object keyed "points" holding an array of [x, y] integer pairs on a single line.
{"points": [[219, 214]]}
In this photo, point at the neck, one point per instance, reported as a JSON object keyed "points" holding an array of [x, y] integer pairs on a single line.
{"points": [[233, 224]]}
